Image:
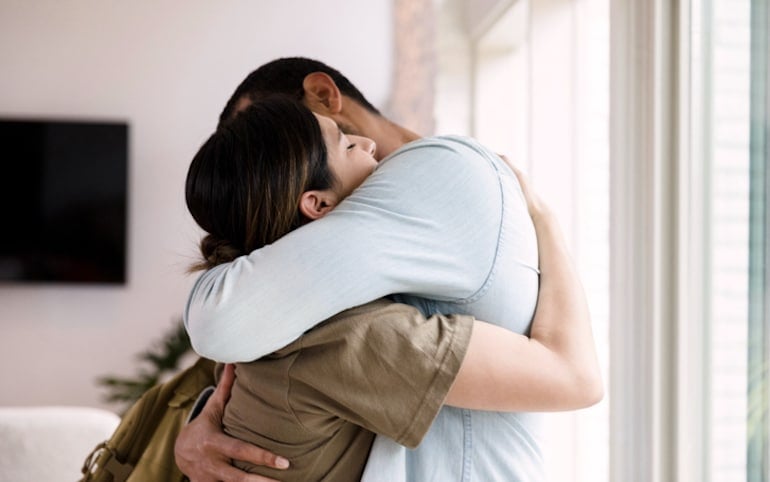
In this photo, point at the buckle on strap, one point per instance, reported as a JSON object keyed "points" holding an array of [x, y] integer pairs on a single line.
{"points": [[103, 455]]}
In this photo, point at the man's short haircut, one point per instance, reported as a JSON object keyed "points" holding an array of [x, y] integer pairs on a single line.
{"points": [[285, 76]]}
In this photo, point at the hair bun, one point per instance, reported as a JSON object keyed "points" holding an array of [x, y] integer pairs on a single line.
{"points": [[216, 251]]}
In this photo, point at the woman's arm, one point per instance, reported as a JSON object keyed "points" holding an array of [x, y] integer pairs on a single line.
{"points": [[556, 367]]}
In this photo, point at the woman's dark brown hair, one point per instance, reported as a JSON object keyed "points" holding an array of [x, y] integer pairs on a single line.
{"points": [[244, 184]]}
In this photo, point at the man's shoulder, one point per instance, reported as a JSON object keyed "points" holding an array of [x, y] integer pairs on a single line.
{"points": [[430, 147], [441, 161]]}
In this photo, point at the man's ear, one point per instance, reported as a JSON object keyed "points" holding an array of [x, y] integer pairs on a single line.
{"points": [[316, 204], [322, 94]]}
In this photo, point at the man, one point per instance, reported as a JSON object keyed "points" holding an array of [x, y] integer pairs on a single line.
{"points": [[401, 233]]}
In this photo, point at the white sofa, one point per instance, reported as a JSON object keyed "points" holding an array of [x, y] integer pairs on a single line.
{"points": [[50, 444]]}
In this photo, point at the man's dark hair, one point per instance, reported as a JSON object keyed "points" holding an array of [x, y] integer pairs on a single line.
{"points": [[285, 76]]}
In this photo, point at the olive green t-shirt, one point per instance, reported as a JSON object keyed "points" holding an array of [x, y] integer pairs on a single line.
{"points": [[378, 368]]}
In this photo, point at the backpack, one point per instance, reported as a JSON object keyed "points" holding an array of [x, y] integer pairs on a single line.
{"points": [[142, 447]]}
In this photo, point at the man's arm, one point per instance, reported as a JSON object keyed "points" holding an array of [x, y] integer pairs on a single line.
{"points": [[426, 223], [203, 452]]}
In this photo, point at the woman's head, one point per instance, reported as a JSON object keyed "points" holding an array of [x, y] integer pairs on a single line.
{"points": [[350, 157], [266, 172]]}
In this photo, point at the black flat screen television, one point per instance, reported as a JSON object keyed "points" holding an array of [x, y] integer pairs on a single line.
{"points": [[63, 201]]}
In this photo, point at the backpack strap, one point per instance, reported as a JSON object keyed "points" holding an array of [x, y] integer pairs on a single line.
{"points": [[142, 447], [104, 456]]}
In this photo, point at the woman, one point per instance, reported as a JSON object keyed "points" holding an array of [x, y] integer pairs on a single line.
{"points": [[381, 367]]}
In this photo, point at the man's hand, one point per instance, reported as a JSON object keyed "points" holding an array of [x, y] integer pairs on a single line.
{"points": [[203, 452]]}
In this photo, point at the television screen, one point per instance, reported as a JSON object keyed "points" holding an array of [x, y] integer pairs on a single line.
{"points": [[63, 198]]}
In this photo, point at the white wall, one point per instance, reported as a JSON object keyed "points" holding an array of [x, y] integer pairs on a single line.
{"points": [[167, 67]]}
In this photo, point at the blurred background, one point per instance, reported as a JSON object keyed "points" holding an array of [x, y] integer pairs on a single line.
{"points": [[643, 123]]}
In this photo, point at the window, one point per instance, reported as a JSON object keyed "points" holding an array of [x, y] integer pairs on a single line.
{"points": [[731, 71], [531, 80], [724, 65], [758, 418], [664, 108]]}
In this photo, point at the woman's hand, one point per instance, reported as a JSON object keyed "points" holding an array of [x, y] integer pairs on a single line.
{"points": [[203, 452], [535, 205]]}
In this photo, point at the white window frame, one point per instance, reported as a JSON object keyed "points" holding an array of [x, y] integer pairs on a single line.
{"points": [[657, 386]]}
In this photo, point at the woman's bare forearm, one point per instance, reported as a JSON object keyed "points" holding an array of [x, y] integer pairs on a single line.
{"points": [[562, 321], [555, 368]]}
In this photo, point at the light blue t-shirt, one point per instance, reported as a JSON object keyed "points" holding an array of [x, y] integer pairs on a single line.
{"points": [[443, 222]]}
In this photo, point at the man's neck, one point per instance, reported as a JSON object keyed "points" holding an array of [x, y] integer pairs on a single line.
{"points": [[388, 135]]}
